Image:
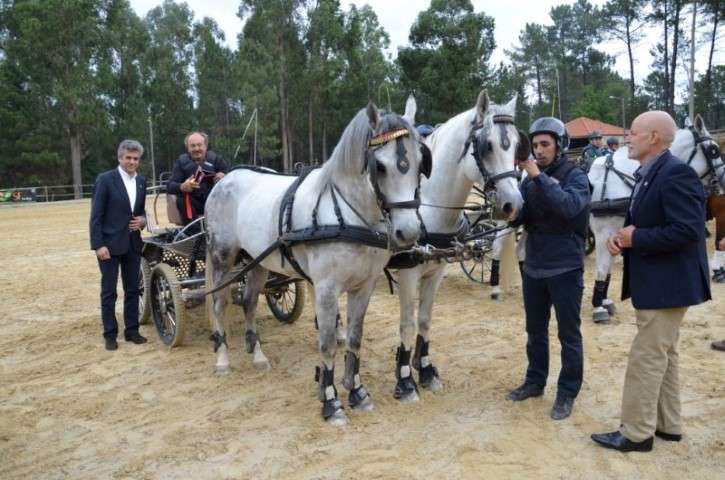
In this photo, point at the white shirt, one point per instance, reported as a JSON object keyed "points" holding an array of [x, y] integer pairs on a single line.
{"points": [[130, 183]]}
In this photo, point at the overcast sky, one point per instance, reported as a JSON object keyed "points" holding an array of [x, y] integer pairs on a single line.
{"points": [[396, 17]]}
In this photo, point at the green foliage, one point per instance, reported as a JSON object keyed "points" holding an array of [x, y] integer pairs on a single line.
{"points": [[77, 77], [448, 59]]}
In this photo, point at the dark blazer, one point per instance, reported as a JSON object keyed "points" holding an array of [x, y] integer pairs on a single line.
{"points": [[111, 212], [185, 167], [667, 264]]}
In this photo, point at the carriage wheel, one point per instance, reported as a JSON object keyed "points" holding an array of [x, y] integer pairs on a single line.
{"points": [[590, 242], [167, 305], [477, 268], [144, 288], [287, 301]]}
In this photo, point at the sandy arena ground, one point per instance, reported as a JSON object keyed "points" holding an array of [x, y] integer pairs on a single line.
{"points": [[71, 410]]}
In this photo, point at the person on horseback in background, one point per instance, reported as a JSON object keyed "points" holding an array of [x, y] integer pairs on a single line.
{"points": [[194, 174], [593, 150], [612, 145], [555, 215]]}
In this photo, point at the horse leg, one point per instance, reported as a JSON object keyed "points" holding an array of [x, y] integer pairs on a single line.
{"points": [[495, 267], [256, 278], [406, 389], [326, 296], [427, 373], [357, 305], [603, 308], [340, 331], [218, 263]]}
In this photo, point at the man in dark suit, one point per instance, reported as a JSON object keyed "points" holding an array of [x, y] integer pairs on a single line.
{"points": [[118, 214], [665, 271], [194, 174]]}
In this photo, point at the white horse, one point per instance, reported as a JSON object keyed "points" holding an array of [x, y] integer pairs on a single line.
{"points": [[694, 146], [373, 173], [613, 181], [475, 146]]}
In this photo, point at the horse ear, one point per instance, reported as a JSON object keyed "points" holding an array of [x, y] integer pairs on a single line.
{"points": [[699, 123], [523, 150], [373, 115], [512, 103], [482, 104], [426, 165], [688, 122], [410, 109]]}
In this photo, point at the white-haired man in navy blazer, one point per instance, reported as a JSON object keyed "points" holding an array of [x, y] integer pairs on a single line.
{"points": [[118, 214], [665, 272]]}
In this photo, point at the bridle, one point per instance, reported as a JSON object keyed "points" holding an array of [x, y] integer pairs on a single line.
{"points": [[482, 147], [402, 164], [711, 152]]}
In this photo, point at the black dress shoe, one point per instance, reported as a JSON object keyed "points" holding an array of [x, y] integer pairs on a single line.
{"points": [[527, 390], [135, 338], [562, 407], [669, 437], [111, 344], [617, 441]]}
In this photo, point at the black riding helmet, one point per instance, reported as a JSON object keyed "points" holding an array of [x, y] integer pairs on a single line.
{"points": [[552, 126]]}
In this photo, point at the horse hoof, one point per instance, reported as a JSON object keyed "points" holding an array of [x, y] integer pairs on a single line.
{"points": [[600, 315], [434, 384], [365, 405], [411, 397], [222, 370], [262, 365], [611, 309], [337, 419], [495, 296]]}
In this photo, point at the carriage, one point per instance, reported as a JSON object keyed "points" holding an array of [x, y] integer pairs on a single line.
{"points": [[173, 275]]}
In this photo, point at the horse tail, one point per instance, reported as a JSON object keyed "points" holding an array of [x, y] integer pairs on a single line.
{"points": [[509, 264]]}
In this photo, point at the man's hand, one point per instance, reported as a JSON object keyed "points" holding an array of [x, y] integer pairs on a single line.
{"points": [[189, 185], [624, 236], [218, 176], [531, 168], [613, 246], [103, 253], [137, 223]]}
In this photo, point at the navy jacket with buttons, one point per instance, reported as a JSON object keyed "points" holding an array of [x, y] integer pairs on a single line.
{"points": [[667, 264], [555, 215]]}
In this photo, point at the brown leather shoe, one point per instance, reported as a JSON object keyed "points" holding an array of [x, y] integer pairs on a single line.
{"points": [[720, 345]]}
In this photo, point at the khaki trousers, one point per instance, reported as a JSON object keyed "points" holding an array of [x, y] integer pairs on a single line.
{"points": [[651, 397]]}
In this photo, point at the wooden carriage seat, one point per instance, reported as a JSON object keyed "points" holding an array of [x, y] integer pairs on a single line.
{"points": [[172, 209]]}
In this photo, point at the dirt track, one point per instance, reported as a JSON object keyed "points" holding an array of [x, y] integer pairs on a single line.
{"points": [[70, 409]]}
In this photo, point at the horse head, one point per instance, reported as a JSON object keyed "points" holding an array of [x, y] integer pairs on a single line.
{"points": [[497, 147], [697, 148], [395, 159]]}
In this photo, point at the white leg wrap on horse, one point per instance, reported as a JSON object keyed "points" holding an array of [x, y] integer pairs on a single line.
{"points": [[405, 371], [222, 360], [356, 380], [260, 360], [424, 361]]}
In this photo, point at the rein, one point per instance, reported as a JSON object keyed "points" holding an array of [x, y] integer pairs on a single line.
{"points": [[628, 180]]}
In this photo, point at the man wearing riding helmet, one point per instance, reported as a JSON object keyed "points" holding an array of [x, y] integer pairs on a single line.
{"points": [[555, 216]]}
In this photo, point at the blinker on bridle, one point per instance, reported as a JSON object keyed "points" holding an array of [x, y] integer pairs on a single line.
{"points": [[482, 147], [711, 153], [402, 165]]}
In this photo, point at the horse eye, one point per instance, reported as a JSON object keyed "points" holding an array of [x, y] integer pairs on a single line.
{"points": [[380, 167]]}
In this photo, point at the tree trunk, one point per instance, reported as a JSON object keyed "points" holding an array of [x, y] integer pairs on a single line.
{"points": [[708, 74], [538, 82], [75, 160], [324, 141], [631, 60], [673, 70], [310, 133], [667, 59]]}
